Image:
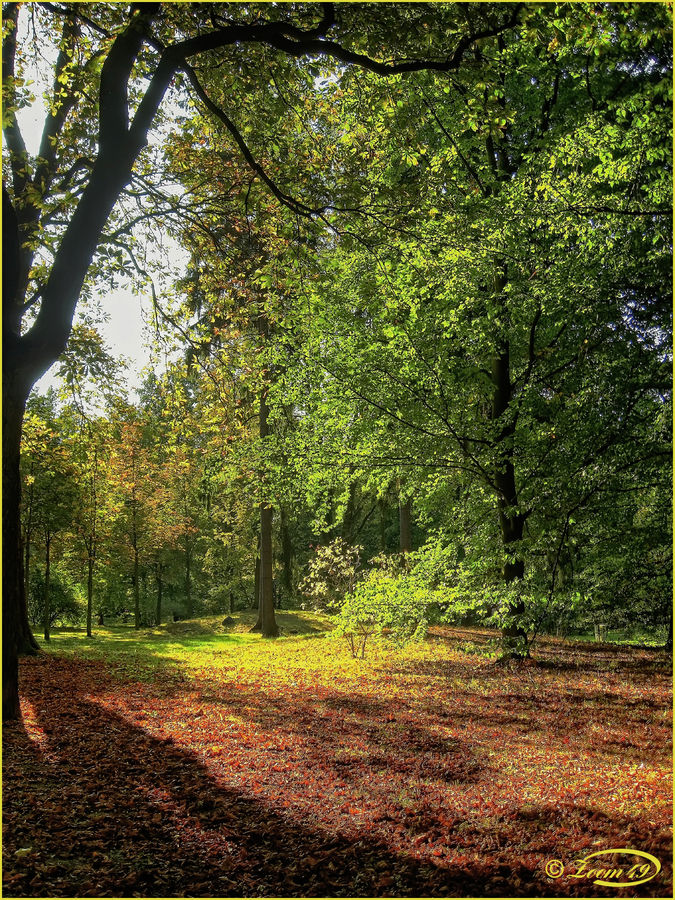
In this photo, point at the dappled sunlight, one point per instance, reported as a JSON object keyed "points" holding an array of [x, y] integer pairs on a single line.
{"points": [[441, 769]]}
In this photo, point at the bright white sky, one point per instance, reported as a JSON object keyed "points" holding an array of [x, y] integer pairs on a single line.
{"points": [[125, 332]]}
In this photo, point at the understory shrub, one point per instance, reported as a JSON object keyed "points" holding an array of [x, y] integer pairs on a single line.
{"points": [[63, 604], [382, 602]]}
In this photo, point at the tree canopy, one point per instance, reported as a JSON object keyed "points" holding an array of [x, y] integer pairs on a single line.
{"points": [[427, 308]]}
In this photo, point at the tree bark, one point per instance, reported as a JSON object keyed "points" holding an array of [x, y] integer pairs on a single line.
{"points": [[14, 395], [267, 619], [137, 595], [383, 524], [286, 555], [188, 579], [158, 608], [405, 526], [511, 521], [669, 639], [47, 599], [90, 586], [256, 588]]}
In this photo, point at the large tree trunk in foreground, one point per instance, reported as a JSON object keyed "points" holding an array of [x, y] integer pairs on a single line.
{"points": [[13, 594], [27, 356]]}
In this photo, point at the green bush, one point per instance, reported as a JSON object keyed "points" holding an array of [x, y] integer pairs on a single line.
{"points": [[63, 604], [333, 573], [382, 602]]}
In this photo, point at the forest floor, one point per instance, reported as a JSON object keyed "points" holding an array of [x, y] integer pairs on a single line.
{"points": [[195, 761]]}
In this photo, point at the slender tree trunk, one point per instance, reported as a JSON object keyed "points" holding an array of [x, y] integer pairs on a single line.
{"points": [[256, 588], [286, 555], [669, 639], [137, 595], [28, 533], [511, 521], [347, 528], [26, 565], [100, 618], [158, 608], [47, 598], [269, 625], [405, 526], [383, 524], [90, 586], [268, 622], [188, 578], [91, 541]]}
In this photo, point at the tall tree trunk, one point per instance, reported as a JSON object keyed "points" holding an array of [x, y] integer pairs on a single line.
{"points": [[28, 534], [188, 578], [158, 608], [90, 585], [286, 555], [256, 588], [348, 520], [25, 357], [267, 619], [14, 397], [47, 599], [26, 565], [669, 639], [137, 594], [383, 524], [511, 521], [91, 540], [405, 525]]}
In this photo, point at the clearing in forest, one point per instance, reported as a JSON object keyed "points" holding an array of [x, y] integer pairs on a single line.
{"points": [[190, 761]]}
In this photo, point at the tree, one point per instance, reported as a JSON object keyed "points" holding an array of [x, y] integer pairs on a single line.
{"points": [[52, 489], [126, 59], [490, 324]]}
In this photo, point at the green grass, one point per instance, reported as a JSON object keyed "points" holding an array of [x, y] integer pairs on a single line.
{"points": [[626, 637], [180, 646]]}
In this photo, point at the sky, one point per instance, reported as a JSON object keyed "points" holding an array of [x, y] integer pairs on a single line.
{"points": [[125, 332]]}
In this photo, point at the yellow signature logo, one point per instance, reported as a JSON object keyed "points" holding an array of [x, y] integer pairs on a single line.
{"points": [[608, 875]]}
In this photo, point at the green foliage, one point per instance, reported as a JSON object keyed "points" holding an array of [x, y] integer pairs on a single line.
{"points": [[64, 605], [384, 602], [333, 573]]}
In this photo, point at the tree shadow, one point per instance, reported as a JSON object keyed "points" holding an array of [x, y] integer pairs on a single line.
{"points": [[109, 810]]}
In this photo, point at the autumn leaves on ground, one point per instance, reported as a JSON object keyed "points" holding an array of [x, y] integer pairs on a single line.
{"points": [[195, 761]]}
